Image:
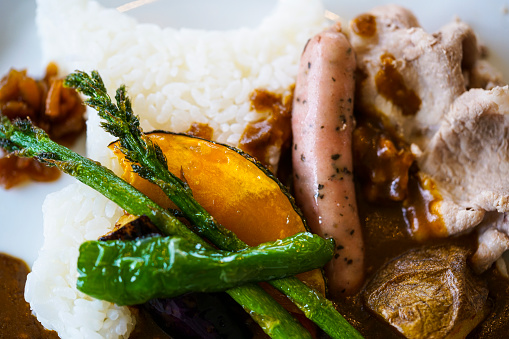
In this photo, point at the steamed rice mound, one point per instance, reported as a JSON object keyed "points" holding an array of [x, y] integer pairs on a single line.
{"points": [[71, 216], [174, 78]]}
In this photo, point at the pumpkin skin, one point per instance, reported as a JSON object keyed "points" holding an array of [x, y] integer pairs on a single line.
{"points": [[233, 187]]}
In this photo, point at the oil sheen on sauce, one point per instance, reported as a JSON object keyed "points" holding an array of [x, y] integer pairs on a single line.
{"points": [[421, 209]]}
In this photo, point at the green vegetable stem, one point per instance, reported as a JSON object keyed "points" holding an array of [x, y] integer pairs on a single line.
{"points": [[149, 162], [129, 272], [23, 139]]}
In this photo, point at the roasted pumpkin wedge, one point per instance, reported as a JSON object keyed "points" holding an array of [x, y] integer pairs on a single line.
{"points": [[232, 186]]}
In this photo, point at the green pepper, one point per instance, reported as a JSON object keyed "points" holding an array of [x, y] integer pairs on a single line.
{"points": [[129, 272]]}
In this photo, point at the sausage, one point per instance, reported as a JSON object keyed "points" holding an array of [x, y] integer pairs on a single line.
{"points": [[322, 126]]}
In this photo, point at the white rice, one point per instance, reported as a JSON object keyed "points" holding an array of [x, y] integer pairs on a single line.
{"points": [[71, 216], [174, 77]]}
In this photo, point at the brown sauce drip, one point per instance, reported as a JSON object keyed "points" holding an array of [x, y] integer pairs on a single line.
{"points": [[57, 110], [275, 130], [391, 85], [200, 130], [16, 319], [382, 159], [364, 25], [385, 170], [420, 209]]}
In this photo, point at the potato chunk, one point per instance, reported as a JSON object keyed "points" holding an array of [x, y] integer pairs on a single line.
{"points": [[429, 293]]}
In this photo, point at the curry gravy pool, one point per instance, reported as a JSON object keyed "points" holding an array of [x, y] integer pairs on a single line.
{"points": [[16, 320]]}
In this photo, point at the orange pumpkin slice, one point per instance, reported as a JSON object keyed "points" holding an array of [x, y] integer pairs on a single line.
{"points": [[233, 187]]}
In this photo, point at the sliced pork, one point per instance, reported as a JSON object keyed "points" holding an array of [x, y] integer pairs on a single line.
{"points": [[493, 241], [469, 155], [441, 96], [409, 75]]}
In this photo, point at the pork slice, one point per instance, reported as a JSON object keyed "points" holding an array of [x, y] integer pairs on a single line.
{"points": [[430, 68], [457, 218], [441, 95], [493, 240], [468, 157], [483, 75]]}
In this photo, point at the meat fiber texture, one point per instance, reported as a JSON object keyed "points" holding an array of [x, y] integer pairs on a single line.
{"points": [[459, 131], [175, 77]]}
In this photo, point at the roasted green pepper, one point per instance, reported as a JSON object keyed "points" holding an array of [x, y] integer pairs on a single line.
{"points": [[132, 272]]}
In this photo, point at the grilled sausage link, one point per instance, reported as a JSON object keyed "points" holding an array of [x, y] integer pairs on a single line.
{"points": [[322, 126]]}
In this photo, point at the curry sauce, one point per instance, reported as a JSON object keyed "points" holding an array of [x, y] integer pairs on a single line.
{"points": [[16, 319], [398, 212], [275, 130], [391, 85]]}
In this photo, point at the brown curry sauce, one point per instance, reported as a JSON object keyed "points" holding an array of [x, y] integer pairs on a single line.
{"points": [[397, 212], [275, 130], [16, 319]]}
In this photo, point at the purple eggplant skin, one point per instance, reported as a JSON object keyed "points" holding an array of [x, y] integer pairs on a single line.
{"points": [[200, 315], [193, 315]]}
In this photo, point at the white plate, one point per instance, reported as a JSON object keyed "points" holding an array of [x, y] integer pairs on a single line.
{"points": [[20, 208]]}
